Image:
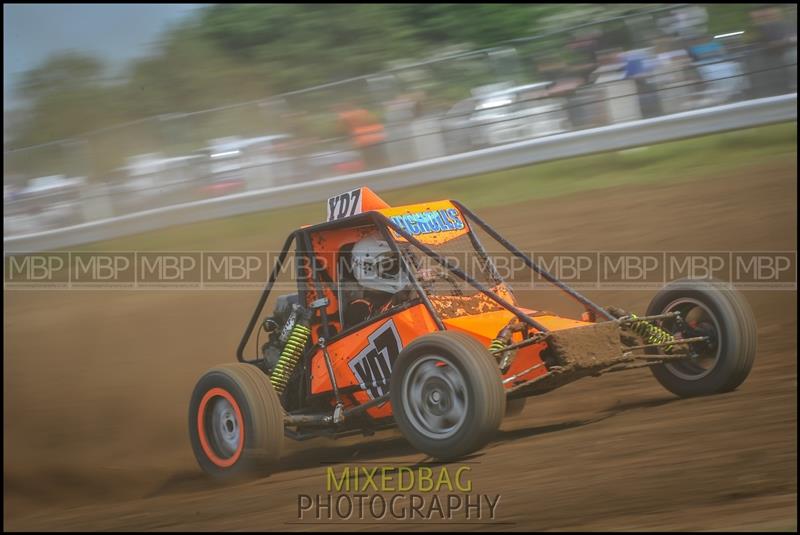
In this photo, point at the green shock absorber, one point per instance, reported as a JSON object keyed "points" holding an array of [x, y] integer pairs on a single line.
{"points": [[291, 353], [497, 345], [651, 334]]}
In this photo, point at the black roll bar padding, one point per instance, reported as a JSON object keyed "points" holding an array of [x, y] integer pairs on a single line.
{"points": [[533, 265], [358, 409], [463, 276], [308, 252], [264, 295], [476, 242], [426, 301], [323, 311]]}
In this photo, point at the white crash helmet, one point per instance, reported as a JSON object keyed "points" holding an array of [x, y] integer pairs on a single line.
{"points": [[377, 267]]}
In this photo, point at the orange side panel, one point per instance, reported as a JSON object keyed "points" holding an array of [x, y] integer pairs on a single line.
{"points": [[410, 324], [556, 323], [415, 322], [485, 327]]}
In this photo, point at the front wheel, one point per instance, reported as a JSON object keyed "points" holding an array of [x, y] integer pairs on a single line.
{"points": [[235, 421], [447, 395], [707, 308]]}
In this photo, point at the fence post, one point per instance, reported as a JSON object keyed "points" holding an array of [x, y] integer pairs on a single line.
{"points": [[619, 107], [95, 199], [428, 140]]}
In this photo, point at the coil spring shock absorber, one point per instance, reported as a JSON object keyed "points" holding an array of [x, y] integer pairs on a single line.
{"points": [[497, 345], [291, 352], [652, 334], [502, 341]]}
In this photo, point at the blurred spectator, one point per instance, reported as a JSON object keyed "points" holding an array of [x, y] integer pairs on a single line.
{"points": [[639, 65], [566, 79], [610, 66], [672, 75], [722, 76], [366, 133], [554, 69], [776, 55], [584, 46], [572, 81], [685, 23]]}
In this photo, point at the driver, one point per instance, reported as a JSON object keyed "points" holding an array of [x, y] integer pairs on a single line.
{"points": [[381, 280]]}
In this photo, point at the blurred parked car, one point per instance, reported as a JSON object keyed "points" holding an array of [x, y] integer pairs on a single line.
{"points": [[10, 196], [151, 181], [335, 163], [45, 202], [503, 115], [15, 219], [229, 161]]}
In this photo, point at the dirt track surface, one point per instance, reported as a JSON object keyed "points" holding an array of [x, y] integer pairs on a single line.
{"points": [[96, 388]]}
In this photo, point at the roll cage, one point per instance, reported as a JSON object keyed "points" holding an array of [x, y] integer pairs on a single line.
{"points": [[302, 239]]}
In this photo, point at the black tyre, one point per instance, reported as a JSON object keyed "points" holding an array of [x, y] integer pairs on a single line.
{"points": [[447, 395], [708, 308], [514, 407], [235, 421]]}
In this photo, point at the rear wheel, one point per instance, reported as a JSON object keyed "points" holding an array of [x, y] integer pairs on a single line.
{"points": [[447, 395], [235, 421], [707, 308]]}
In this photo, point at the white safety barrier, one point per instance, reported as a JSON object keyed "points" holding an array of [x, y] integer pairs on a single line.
{"points": [[618, 136]]}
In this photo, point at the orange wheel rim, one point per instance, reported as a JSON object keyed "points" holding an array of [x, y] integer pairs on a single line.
{"points": [[208, 449]]}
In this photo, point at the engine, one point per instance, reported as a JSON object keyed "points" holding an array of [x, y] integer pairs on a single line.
{"points": [[279, 325]]}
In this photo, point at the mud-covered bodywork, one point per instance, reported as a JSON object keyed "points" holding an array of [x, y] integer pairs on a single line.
{"points": [[455, 287]]}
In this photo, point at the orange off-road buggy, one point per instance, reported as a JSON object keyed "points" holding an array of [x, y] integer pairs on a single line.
{"points": [[402, 317]]}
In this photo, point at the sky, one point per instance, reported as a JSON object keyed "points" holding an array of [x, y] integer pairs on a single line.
{"points": [[113, 33]]}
